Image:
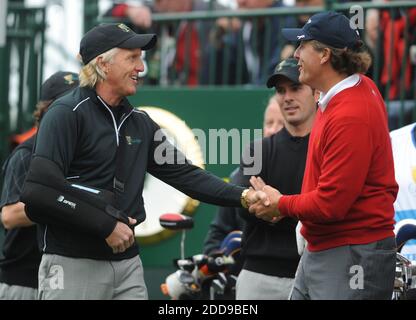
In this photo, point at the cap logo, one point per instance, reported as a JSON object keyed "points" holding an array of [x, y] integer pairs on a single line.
{"points": [[301, 37], [285, 63], [309, 21], [69, 79], [132, 141], [123, 27], [291, 64]]}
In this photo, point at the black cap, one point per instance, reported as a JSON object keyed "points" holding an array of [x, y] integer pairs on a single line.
{"points": [[330, 28], [58, 84], [287, 68], [107, 36]]}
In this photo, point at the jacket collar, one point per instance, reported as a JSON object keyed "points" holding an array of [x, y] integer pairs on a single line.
{"points": [[92, 94], [348, 82]]}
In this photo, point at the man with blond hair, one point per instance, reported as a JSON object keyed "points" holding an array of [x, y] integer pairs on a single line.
{"points": [[86, 178]]}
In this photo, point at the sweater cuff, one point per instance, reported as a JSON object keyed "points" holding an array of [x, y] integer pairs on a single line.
{"points": [[283, 206]]}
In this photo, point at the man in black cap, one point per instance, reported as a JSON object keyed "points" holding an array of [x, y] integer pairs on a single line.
{"points": [[58, 85], [92, 153], [54, 87], [19, 267], [227, 219], [269, 250], [346, 204]]}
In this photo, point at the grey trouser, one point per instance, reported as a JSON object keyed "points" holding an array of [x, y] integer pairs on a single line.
{"points": [[64, 278], [352, 272], [257, 286], [17, 292]]}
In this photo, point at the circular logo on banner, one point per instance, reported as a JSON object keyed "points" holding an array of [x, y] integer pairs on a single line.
{"points": [[159, 197]]}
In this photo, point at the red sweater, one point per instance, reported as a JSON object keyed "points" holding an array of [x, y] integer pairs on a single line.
{"points": [[349, 186]]}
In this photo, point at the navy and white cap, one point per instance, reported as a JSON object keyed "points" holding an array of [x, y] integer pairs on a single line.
{"points": [[330, 28], [107, 36]]}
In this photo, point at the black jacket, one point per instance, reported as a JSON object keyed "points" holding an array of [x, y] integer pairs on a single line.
{"points": [[81, 135], [271, 248], [20, 249]]}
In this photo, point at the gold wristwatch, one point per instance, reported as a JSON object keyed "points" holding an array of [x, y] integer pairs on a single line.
{"points": [[243, 198]]}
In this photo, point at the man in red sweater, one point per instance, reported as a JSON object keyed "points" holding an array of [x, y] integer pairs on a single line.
{"points": [[346, 203]]}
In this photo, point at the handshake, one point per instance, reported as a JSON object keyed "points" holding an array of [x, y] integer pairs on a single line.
{"points": [[262, 200]]}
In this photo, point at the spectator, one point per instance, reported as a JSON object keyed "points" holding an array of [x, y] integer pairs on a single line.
{"points": [[397, 25], [404, 153], [182, 45], [273, 118], [260, 50]]}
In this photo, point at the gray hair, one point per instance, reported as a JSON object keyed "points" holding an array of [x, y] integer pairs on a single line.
{"points": [[91, 73]]}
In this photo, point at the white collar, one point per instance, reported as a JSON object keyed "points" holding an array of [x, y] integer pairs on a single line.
{"points": [[340, 86]]}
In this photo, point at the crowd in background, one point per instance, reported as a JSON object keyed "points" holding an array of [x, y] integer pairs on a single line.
{"points": [[228, 51]]}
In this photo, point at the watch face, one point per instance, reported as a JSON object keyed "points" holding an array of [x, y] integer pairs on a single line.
{"points": [[159, 197]]}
